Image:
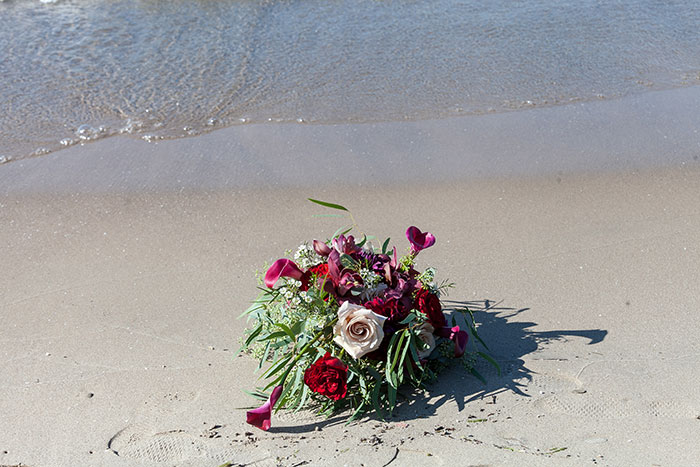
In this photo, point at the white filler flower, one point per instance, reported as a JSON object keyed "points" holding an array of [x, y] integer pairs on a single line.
{"points": [[358, 330]]}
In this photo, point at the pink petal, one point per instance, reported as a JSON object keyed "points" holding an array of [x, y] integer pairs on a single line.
{"points": [[261, 416], [282, 268], [419, 240]]}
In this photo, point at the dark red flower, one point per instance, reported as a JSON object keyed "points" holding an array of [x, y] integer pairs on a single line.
{"points": [[428, 304], [392, 308], [327, 376], [320, 270]]}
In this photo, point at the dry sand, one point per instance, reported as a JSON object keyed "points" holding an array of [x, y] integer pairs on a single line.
{"points": [[119, 307]]}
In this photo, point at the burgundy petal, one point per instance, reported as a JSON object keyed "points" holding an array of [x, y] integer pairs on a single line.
{"points": [[419, 240], [456, 335], [282, 268], [260, 417], [321, 248]]}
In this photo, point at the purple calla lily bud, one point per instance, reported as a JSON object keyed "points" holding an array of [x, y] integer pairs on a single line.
{"points": [[261, 416], [456, 335], [282, 268], [419, 240]]}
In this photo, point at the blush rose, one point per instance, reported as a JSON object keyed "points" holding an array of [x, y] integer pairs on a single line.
{"points": [[358, 330], [424, 333]]}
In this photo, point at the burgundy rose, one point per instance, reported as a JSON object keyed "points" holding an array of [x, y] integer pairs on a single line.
{"points": [[428, 304], [392, 308], [327, 376]]}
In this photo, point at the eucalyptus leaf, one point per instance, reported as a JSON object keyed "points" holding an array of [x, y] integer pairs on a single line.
{"points": [[329, 205], [277, 366], [256, 332]]}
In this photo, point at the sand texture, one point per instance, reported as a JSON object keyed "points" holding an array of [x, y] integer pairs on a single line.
{"points": [[119, 320]]}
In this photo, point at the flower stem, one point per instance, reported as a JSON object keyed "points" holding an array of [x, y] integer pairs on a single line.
{"points": [[303, 351]]}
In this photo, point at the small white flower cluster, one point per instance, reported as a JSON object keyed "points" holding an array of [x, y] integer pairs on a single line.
{"points": [[290, 292], [306, 256], [369, 278]]}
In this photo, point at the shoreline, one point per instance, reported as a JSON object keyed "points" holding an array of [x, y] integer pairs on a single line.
{"points": [[653, 130]]}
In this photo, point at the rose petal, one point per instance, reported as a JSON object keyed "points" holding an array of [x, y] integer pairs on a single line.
{"points": [[282, 268], [260, 417], [419, 240]]}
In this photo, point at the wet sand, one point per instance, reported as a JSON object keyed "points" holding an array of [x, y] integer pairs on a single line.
{"points": [[123, 280]]}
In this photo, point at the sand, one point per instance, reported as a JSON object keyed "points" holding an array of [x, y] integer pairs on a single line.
{"points": [[123, 280]]}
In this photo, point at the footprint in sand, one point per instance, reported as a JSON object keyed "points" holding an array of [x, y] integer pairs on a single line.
{"points": [[609, 408], [141, 442], [597, 389]]}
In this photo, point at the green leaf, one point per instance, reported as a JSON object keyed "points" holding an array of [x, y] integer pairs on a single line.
{"points": [[362, 242], [388, 370], [297, 327], [329, 205], [414, 355], [357, 413], [477, 375], [348, 261], [406, 348], [256, 332], [273, 335], [408, 319], [303, 398], [277, 366], [341, 231], [266, 354], [286, 330], [375, 398], [490, 359], [257, 394], [391, 394], [472, 329], [385, 245]]}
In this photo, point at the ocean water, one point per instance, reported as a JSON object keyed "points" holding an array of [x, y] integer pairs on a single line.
{"points": [[77, 71]]}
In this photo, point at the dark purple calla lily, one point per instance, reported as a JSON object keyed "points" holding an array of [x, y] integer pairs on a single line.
{"points": [[282, 268], [456, 335], [261, 416], [419, 240]]}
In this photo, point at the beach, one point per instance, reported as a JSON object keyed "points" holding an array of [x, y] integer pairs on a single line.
{"points": [[572, 232]]}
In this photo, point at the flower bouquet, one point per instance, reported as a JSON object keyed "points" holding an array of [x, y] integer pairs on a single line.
{"points": [[344, 325]]}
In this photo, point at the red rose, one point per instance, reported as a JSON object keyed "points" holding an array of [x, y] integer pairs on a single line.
{"points": [[392, 308], [428, 304], [320, 271], [327, 376]]}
